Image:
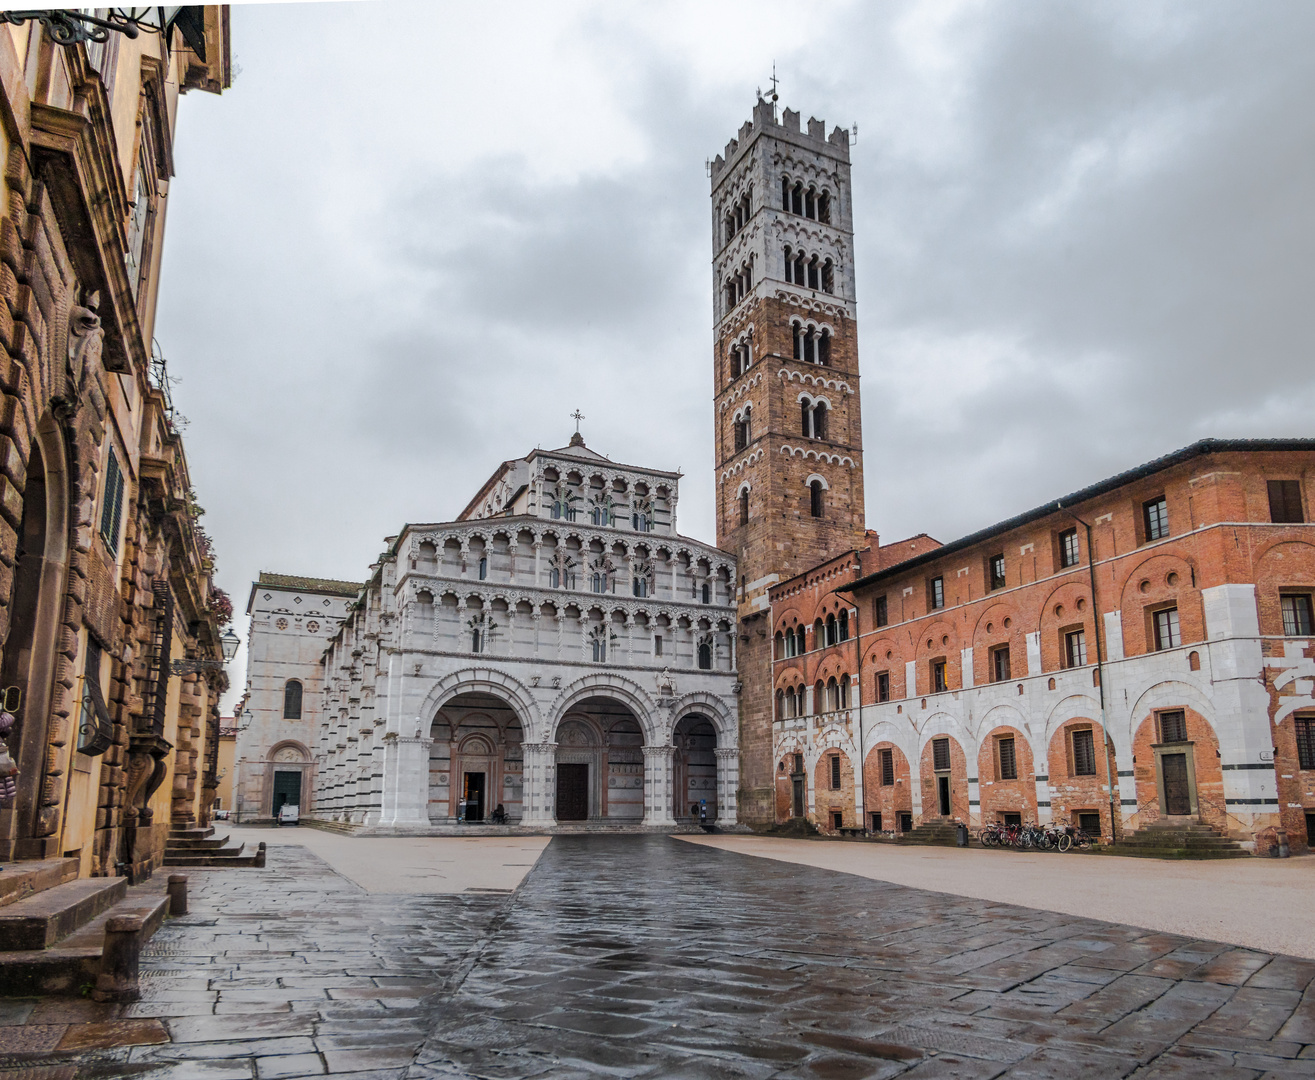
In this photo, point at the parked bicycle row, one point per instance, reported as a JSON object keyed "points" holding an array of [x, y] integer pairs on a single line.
{"points": [[1032, 837]]}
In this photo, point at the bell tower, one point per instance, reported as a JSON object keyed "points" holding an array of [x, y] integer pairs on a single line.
{"points": [[789, 443]]}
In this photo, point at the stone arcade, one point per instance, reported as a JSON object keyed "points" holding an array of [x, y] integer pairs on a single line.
{"points": [[558, 654]]}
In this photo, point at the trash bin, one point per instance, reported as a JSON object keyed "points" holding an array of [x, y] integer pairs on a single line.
{"points": [[961, 835]]}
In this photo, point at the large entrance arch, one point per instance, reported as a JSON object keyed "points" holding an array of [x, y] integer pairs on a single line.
{"points": [[476, 761], [694, 781], [599, 763]]}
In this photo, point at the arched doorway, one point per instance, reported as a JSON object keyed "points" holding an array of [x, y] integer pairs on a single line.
{"points": [[694, 782], [600, 763], [40, 575], [289, 781], [476, 762]]}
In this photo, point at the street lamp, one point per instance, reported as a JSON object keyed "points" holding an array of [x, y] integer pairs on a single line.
{"points": [[228, 643], [69, 27]]}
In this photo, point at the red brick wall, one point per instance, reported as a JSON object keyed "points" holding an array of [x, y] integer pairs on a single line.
{"points": [[958, 780], [1069, 793], [888, 801], [827, 800], [998, 795]]}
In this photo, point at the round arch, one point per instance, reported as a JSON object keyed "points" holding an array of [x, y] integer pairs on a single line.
{"points": [[711, 706], [485, 681], [606, 685]]}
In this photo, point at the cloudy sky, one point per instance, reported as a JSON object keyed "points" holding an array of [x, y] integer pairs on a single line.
{"points": [[412, 238]]}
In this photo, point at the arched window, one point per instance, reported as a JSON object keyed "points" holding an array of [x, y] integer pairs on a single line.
{"points": [[819, 635], [640, 585], [819, 697], [707, 592], [831, 638], [810, 203], [843, 627], [797, 198], [815, 498], [789, 264], [832, 694], [801, 646], [744, 507], [641, 521], [477, 639], [844, 691], [805, 419], [785, 194], [742, 429], [598, 582], [599, 645], [824, 348], [798, 340], [292, 700], [554, 578], [813, 273], [828, 277], [780, 705], [819, 420], [705, 655], [801, 701], [824, 207], [483, 567], [779, 652], [799, 261]]}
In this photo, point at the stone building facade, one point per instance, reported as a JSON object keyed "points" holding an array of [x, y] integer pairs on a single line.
{"points": [[278, 720], [559, 653], [105, 573], [788, 434], [1156, 666]]}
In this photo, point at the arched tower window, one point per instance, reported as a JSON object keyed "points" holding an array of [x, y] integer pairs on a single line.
{"points": [[824, 207], [705, 655], [802, 642], [824, 348], [828, 277], [815, 504], [744, 507], [798, 332], [831, 635], [292, 700], [842, 628]]}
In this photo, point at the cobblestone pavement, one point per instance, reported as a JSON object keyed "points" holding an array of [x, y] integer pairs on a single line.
{"points": [[633, 956]]}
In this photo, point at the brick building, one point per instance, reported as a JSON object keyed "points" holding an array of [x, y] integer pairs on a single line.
{"points": [[1154, 629]]}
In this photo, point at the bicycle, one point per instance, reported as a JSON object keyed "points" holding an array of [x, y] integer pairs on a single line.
{"points": [[1075, 837]]}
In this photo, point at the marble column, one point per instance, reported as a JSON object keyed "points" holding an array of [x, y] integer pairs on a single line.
{"points": [[539, 785], [659, 763], [728, 784], [406, 780]]}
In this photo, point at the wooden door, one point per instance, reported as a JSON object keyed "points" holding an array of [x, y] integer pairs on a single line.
{"points": [[1177, 797], [572, 792], [798, 796], [943, 790]]}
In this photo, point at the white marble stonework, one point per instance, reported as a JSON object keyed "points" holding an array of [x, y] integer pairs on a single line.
{"points": [[558, 651]]}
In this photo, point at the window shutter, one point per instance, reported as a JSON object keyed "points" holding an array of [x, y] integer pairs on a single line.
{"points": [[887, 768], [1084, 753], [1008, 762], [835, 773], [940, 753], [112, 508]]}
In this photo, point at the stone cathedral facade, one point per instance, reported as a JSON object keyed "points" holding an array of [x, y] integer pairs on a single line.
{"points": [[789, 441], [559, 655]]}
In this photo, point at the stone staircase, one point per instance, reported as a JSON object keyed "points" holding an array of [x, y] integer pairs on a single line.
{"points": [[53, 923], [1175, 840], [934, 832], [199, 847]]}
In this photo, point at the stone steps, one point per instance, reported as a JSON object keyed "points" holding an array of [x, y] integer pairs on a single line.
{"points": [[41, 919], [935, 833], [1162, 840], [53, 924], [201, 848]]}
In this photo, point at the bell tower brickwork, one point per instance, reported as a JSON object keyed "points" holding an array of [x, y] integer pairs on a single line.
{"points": [[786, 387]]}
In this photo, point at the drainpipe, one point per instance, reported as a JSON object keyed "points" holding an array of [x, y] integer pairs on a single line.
{"points": [[858, 704], [1096, 619]]}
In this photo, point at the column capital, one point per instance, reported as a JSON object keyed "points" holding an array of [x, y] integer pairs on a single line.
{"points": [[727, 752], [540, 748], [659, 751]]}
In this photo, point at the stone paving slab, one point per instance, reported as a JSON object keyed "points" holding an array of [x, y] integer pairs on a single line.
{"points": [[642, 956]]}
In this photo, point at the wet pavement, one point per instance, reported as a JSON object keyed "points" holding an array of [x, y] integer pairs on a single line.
{"points": [[636, 956]]}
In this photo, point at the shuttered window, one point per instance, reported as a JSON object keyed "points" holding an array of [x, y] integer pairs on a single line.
{"points": [[111, 514], [835, 773], [1306, 741], [887, 768], [1285, 501], [1084, 753], [940, 755], [1008, 762], [1173, 726]]}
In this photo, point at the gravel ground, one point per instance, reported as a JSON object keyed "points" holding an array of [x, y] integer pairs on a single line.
{"points": [[1255, 903]]}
